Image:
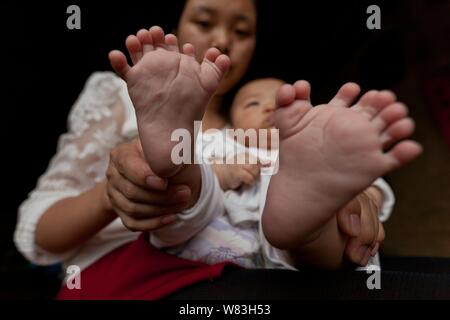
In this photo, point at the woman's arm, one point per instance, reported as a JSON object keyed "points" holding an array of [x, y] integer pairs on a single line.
{"points": [[72, 221], [68, 188], [68, 205], [143, 204]]}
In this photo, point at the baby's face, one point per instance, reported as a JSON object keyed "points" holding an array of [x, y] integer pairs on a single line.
{"points": [[254, 105]]}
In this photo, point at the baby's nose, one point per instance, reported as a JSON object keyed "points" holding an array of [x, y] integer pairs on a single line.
{"points": [[270, 107]]}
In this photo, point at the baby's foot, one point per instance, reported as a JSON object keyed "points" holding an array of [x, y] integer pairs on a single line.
{"points": [[328, 155], [169, 90]]}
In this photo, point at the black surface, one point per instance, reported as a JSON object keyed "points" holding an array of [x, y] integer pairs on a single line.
{"points": [[417, 284]]}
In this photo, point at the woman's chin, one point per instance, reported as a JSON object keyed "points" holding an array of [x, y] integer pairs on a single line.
{"points": [[224, 87]]}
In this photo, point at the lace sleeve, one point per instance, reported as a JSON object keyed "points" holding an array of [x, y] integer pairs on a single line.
{"points": [[94, 127]]}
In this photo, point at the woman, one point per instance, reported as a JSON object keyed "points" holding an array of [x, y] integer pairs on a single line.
{"points": [[72, 209], [72, 215]]}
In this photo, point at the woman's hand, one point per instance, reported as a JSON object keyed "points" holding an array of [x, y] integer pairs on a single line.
{"points": [[231, 176], [143, 201], [359, 220]]}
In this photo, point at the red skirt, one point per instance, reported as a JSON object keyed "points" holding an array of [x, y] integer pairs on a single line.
{"points": [[139, 271]]}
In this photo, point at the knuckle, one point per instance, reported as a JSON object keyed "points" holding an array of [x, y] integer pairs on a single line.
{"points": [[113, 200], [120, 165], [128, 191], [130, 208]]}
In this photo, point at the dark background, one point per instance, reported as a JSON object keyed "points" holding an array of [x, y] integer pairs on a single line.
{"points": [[44, 66]]}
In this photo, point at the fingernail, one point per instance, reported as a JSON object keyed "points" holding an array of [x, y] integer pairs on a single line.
{"points": [[168, 219], [182, 195], [355, 223], [156, 182]]}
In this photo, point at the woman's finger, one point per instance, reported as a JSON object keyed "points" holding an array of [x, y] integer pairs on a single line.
{"points": [[381, 233], [147, 224], [173, 195], [130, 162], [142, 211], [132, 210], [355, 252], [375, 249], [349, 219], [131, 191], [369, 222]]}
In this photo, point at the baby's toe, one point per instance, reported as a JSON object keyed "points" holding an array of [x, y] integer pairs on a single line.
{"points": [[401, 154], [134, 48], [374, 102], [302, 90], [146, 40], [285, 95], [188, 49], [389, 115], [380, 102], [397, 131], [172, 43], [346, 95], [158, 37], [119, 63]]}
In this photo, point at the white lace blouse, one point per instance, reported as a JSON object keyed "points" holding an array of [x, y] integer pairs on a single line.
{"points": [[102, 117]]}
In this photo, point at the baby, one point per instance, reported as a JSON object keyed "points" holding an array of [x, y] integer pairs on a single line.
{"points": [[227, 225], [253, 109], [328, 155]]}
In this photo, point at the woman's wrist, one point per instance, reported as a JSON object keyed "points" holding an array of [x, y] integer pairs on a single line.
{"points": [[105, 203]]}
